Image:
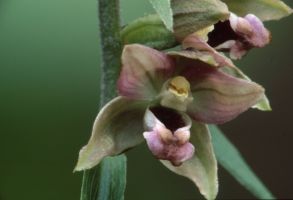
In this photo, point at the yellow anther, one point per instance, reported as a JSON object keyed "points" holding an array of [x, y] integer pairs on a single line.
{"points": [[179, 86]]}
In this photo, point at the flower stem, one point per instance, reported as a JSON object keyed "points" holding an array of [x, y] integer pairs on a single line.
{"points": [[109, 16], [107, 180]]}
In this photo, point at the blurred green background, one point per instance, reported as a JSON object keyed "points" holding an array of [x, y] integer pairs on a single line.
{"points": [[49, 94]]}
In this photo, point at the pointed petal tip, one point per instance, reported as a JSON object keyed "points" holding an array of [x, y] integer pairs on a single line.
{"points": [[86, 160], [80, 167], [263, 104], [77, 168]]}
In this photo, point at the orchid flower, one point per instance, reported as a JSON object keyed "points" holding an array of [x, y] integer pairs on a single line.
{"points": [[166, 99], [236, 35]]}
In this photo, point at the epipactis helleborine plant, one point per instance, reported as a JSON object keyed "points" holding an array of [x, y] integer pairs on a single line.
{"points": [[166, 99]]}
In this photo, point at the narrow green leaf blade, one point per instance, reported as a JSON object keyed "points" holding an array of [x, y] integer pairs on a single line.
{"points": [[109, 177], [230, 158], [163, 8], [113, 180], [264, 9]]}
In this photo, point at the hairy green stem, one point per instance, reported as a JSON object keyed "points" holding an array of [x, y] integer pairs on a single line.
{"points": [[109, 16], [107, 181]]}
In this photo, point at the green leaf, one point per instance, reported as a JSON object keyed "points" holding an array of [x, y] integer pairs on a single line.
{"points": [[150, 31], [163, 8], [202, 167], [193, 15], [264, 9], [118, 127], [230, 158], [109, 176]]}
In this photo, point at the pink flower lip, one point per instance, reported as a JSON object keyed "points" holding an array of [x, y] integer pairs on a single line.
{"points": [[169, 136], [239, 34]]}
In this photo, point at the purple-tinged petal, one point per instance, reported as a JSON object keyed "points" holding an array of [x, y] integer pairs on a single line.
{"points": [[118, 127], [168, 135], [238, 35], [252, 33], [201, 50], [261, 36], [217, 96], [144, 70], [197, 42], [264, 103], [174, 153], [240, 25], [202, 167]]}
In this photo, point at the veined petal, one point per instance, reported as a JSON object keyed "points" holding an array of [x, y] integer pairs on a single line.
{"points": [[202, 167], [217, 96], [263, 104], [168, 134], [118, 127], [144, 70], [194, 15], [216, 60]]}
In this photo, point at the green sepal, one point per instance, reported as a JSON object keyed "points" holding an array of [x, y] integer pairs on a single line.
{"points": [[118, 127], [193, 15], [264, 9], [150, 31]]}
